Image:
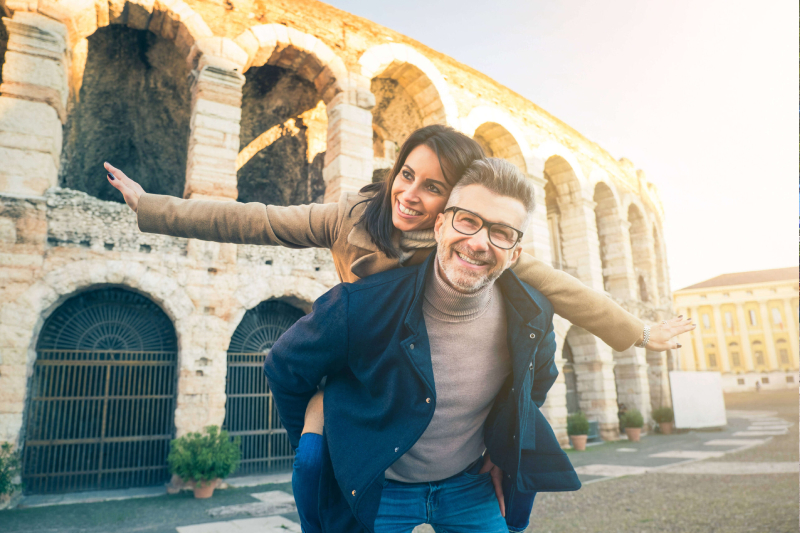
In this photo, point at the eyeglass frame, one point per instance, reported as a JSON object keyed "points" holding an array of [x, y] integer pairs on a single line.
{"points": [[484, 224]]}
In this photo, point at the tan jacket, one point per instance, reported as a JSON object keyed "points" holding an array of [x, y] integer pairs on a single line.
{"points": [[334, 226]]}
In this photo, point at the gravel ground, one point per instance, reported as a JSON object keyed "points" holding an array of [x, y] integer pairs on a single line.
{"points": [[689, 503]]}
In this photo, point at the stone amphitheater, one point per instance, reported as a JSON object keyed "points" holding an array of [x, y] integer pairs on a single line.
{"points": [[275, 101]]}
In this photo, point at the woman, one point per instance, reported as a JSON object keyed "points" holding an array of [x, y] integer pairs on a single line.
{"points": [[387, 225]]}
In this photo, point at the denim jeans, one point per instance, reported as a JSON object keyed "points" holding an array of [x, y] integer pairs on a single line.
{"points": [[305, 481], [464, 503]]}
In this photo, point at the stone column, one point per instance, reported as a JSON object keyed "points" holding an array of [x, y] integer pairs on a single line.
{"points": [[349, 152], [33, 101], [722, 346], [658, 379], [619, 271], [769, 341], [632, 381], [580, 242], [594, 373], [791, 326], [744, 339], [555, 408], [536, 240]]}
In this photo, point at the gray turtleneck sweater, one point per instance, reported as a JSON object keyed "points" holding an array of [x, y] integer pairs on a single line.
{"points": [[469, 352]]}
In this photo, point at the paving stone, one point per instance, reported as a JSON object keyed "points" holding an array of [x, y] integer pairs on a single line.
{"points": [[273, 524], [611, 470], [724, 469], [758, 433], [735, 442], [625, 450], [687, 454]]}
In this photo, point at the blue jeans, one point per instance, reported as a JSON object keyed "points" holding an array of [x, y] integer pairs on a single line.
{"points": [[305, 486], [463, 503]]}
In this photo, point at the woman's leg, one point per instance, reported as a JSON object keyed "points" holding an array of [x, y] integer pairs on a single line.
{"points": [[307, 467]]}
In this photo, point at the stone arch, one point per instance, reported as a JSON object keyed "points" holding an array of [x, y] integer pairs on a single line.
{"points": [[285, 47], [23, 318], [498, 134], [662, 276], [642, 252], [615, 254]]}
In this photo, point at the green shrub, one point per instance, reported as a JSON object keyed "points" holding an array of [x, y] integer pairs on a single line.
{"points": [[577, 424], [632, 419], [204, 457], [663, 415], [9, 468]]}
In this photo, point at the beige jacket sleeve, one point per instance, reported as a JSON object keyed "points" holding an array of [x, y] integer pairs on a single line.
{"points": [[297, 226], [585, 307]]}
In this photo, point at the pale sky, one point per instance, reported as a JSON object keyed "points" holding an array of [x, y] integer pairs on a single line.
{"points": [[701, 95]]}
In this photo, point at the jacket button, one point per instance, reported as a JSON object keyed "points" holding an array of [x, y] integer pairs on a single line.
{"points": [[531, 367], [533, 335], [411, 346], [514, 437], [396, 450], [354, 493], [427, 400], [512, 389]]}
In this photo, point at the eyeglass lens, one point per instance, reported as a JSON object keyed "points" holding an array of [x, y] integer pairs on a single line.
{"points": [[469, 224]]}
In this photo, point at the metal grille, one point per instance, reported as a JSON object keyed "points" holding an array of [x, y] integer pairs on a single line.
{"points": [[250, 412], [102, 397]]}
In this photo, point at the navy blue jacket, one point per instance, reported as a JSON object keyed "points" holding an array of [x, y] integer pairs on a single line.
{"points": [[370, 339]]}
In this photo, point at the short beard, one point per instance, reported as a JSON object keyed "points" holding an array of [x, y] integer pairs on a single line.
{"points": [[464, 281]]}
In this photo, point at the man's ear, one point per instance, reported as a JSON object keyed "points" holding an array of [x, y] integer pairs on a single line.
{"points": [[437, 226], [512, 258]]}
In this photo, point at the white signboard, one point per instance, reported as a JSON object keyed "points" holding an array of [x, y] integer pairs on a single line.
{"points": [[697, 399]]}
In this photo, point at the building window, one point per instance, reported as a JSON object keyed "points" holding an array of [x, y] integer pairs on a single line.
{"points": [[750, 293], [712, 360], [753, 321], [784, 353], [726, 295], [789, 379], [735, 359], [759, 358], [740, 381], [777, 319], [706, 321], [728, 320], [703, 297], [765, 380]]}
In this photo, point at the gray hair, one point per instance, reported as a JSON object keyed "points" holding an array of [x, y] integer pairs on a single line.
{"points": [[500, 177]]}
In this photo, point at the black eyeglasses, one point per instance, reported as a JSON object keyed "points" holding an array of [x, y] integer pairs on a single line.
{"points": [[468, 223]]}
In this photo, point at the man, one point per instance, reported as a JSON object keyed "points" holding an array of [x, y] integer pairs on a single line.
{"points": [[428, 366]]}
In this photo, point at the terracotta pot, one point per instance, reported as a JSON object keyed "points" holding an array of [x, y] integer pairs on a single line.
{"points": [[633, 434], [204, 489], [578, 442], [666, 428]]}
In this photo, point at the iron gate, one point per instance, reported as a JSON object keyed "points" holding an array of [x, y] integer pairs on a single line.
{"points": [[250, 412], [102, 396]]}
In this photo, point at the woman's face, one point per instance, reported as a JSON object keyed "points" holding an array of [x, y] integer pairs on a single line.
{"points": [[419, 191]]}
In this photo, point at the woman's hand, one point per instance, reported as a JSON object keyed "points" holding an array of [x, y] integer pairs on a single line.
{"points": [[661, 334], [130, 190], [497, 480]]}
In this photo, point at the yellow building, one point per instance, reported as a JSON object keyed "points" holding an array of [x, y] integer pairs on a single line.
{"points": [[746, 328]]}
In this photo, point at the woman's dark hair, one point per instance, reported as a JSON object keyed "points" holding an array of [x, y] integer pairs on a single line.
{"points": [[455, 152]]}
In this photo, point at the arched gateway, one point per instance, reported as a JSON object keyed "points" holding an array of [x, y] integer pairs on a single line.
{"points": [[250, 412], [102, 398]]}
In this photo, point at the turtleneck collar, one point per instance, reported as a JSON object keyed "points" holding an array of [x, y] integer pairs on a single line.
{"points": [[445, 303]]}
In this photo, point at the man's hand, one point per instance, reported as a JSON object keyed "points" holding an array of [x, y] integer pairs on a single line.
{"points": [[497, 481], [130, 190], [661, 334]]}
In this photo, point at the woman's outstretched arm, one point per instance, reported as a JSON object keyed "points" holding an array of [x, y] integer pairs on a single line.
{"points": [[594, 311], [301, 226]]}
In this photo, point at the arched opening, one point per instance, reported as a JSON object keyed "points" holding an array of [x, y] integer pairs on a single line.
{"points": [[573, 405], [250, 412], [282, 138], [133, 110], [782, 348], [640, 248], [736, 358], [405, 100], [758, 356], [497, 141], [612, 254], [101, 403]]}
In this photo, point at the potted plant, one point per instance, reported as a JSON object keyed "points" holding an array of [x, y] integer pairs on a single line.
{"points": [[204, 459], [665, 417], [633, 421], [578, 429], [9, 473]]}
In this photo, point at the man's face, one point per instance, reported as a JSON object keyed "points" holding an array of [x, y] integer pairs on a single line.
{"points": [[470, 262]]}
